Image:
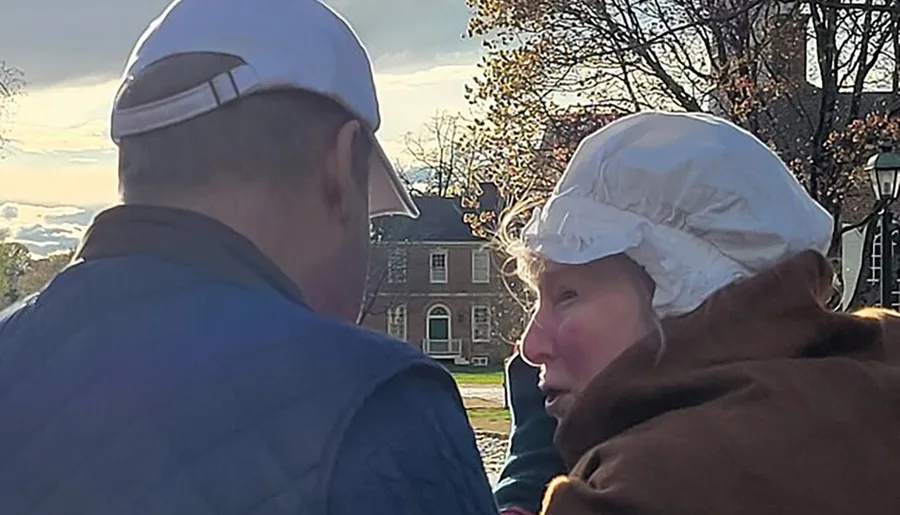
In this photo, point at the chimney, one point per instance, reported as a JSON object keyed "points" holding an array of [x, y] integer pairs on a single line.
{"points": [[489, 200]]}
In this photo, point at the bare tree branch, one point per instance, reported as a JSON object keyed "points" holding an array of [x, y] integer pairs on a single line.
{"points": [[746, 60], [12, 84]]}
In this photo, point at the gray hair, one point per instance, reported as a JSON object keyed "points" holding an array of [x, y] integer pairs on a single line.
{"points": [[271, 136]]}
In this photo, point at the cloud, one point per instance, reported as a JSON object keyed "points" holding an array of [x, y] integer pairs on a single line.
{"points": [[409, 100], [45, 229], [404, 61], [53, 42], [79, 217], [61, 154], [40, 234], [417, 29], [70, 122], [48, 181], [72, 117], [59, 167], [9, 212], [45, 247]]}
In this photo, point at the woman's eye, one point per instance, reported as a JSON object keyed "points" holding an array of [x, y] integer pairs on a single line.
{"points": [[565, 296]]}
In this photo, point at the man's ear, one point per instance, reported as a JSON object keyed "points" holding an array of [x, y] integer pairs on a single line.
{"points": [[341, 188]]}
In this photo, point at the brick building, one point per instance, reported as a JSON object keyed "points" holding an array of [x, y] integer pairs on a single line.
{"points": [[435, 285]]}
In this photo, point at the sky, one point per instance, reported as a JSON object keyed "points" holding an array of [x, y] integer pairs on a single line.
{"points": [[58, 167]]}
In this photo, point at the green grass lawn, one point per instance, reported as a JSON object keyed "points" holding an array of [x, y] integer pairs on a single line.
{"points": [[489, 419], [483, 414], [479, 378]]}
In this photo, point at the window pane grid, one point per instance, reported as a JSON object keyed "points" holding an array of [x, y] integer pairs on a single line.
{"points": [[397, 266], [481, 323], [396, 322], [438, 267], [481, 266]]}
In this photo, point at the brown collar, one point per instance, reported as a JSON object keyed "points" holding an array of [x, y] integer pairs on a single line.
{"points": [[777, 314], [185, 237]]}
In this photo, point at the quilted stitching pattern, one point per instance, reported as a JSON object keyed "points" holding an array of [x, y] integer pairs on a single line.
{"points": [[202, 398]]}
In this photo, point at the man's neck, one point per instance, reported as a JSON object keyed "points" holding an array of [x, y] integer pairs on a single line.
{"points": [[291, 232]]}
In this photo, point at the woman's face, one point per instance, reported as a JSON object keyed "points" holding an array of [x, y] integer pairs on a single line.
{"points": [[586, 316]]}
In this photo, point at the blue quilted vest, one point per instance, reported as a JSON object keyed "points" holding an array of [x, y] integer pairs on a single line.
{"points": [[138, 385]]}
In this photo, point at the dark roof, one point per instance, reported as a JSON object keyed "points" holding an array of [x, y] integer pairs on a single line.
{"points": [[441, 219]]}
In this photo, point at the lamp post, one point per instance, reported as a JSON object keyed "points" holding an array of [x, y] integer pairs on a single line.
{"points": [[884, 170]]}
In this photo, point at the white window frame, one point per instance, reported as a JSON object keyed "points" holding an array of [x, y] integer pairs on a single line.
{"points": [[389, 319], [481, 254], [487, 338], [401, 255], [436, 279]]}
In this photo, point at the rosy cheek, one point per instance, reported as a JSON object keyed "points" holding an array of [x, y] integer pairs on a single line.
{"points": [[577, 348], [587, 342]]}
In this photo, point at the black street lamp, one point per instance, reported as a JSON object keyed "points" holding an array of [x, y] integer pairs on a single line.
{"points": [[884, 170]]}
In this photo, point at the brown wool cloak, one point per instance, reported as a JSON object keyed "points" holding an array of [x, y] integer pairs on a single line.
{"points": [[763, 402]]}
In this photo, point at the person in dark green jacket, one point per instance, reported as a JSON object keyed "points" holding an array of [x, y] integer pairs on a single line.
{"points": [[532, 461]]}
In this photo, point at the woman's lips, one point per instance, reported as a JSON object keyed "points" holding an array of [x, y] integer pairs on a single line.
{"points": [[553, 400], [550, 399]]}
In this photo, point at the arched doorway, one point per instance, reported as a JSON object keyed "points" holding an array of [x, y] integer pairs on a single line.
{"points": [[439, 332]]}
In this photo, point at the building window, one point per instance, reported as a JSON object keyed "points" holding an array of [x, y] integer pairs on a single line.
{"points": [[396, 272], [396, 322], [438, 266], [876, 269], [481, 323], [481, 266]]}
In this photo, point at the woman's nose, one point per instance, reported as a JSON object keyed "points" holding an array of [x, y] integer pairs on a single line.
{"points": [[537, 340]]}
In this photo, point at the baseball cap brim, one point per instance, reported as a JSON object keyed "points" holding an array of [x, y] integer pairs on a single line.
{"points": [[387, 193]]}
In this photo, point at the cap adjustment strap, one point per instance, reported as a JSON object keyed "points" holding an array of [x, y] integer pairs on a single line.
{"points": [[219, 90]]}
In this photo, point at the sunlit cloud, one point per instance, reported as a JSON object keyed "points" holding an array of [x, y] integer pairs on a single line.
{"points": [[45, 229], [75, 117], [60, 146], [58, 151], [409, 100], [60, 167], [46, 183], [67, 117]]}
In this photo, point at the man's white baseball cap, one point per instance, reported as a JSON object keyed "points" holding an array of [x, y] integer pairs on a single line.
{"points": [[300, 44]]}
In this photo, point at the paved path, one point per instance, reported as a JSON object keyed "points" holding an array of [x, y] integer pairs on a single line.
{"points": [[492, 393], [493, 453], [491, 445]]}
